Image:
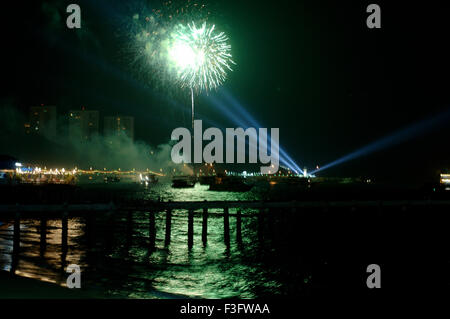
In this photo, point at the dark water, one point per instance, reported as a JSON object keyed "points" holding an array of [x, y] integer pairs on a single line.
{"points": [[116, 260], [314, 250]]}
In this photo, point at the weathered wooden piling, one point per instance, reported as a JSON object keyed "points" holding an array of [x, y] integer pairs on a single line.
{"points": [[271, 223], [205, 226], [190, 228], [64, 231], [168, 227], [289, 226], [129, 234], [152, 229], [111, 223], [90, 228], [261, 224], [226, 226], [64, 235], [16, 239], [239, 226], [16, 243], [43, 235]]}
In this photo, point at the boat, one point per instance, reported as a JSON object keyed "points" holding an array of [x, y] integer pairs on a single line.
{"points": [[183, 182], [148, 179], [223, 183], [206, 180], [112, 179]]}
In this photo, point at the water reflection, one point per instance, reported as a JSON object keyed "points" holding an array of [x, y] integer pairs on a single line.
{"points": [[148, 254], [197, 193], [40, 254]]}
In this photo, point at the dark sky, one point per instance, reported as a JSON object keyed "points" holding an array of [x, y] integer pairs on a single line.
{"points": [[311, 68]]}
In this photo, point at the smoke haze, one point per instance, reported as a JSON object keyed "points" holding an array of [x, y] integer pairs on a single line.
{"points": [[64, 150]]}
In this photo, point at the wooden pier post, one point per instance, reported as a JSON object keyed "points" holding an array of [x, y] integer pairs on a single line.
{"points": [[270, 216], [152, 229], [43, 235], [239, 226], [290, 227], [16, 243], [205, 226], [168, 227], [110, 226], [226, 226], [261, 224], [129, 234], [190, 228], [90, 228], [64, 235], [16, 236]]}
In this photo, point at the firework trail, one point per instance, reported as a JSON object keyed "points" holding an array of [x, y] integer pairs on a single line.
{"points": [[200, 58], [168, 48]]}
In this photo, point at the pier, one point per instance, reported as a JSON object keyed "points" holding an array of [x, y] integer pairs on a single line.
{"points": [[230, 211], [339, 238]]}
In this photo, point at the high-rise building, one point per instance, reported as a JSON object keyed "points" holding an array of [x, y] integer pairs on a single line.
{"points": [[83, 124], [42, 120], [117, 125], [445, 179]]}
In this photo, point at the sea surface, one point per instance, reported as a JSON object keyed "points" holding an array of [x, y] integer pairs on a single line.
{"points": [[116, 261]]}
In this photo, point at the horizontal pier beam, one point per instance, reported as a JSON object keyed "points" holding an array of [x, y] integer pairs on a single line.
{"points": [[286, 204], [200, 205], [57, 208]]}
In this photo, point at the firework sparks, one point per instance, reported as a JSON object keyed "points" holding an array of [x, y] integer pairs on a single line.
{"points": [[178, 52], [149, 32], [201, 57]]}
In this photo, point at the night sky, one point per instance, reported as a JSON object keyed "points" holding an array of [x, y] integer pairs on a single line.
{"points": [[311, 68]]}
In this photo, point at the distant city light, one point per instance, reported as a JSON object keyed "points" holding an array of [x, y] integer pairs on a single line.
{"points": [[445, 179]]}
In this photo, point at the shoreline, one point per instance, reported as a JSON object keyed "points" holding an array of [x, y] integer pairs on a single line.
{"points": [[17, 287]]}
